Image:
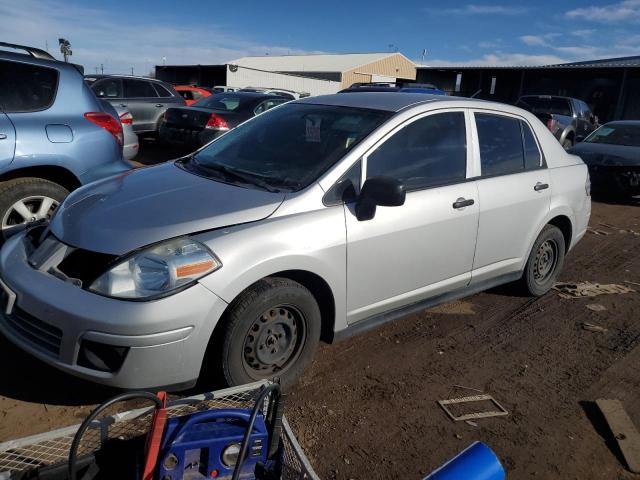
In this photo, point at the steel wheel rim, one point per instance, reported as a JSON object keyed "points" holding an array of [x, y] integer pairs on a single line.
{"points": [[28, 210], [274, 341], [545, 262]]}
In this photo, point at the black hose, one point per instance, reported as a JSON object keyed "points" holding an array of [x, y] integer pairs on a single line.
{"points": [[73, 451], [254, 413]]}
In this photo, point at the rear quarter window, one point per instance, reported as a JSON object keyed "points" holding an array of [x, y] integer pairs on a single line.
{"points": [[163, 92], [26, 88]]}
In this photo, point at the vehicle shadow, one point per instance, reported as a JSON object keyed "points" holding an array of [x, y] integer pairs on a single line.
{"points": [[609, 199], [595, 416], [28, 379]]}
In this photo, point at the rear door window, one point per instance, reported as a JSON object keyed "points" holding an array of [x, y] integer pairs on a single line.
{"points": [[186, 94], [108, 88], [500, 141], [428, 152], [162, 91], [138, 89], [507, 145], [26, 88]]}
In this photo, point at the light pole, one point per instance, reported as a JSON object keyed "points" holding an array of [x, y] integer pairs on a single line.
{"points": [[65, 48]]}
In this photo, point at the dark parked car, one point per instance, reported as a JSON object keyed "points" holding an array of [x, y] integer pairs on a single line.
{"points": [[612, 154], [147, 99], [427, 88], [210, 117], [569, 119]]}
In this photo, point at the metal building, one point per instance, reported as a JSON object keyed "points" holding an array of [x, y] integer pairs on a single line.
{"points": [[347, 68], [313, 74], [609, 86]]}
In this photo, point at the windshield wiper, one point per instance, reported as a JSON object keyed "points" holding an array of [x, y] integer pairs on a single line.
{"points": [[237, 175]]}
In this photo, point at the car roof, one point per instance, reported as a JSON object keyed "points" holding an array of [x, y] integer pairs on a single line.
{"points": [[388, 101], [633, 123], [118, 75]]}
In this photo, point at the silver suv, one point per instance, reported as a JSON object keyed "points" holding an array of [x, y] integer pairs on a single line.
{"points": [[319, 219]]}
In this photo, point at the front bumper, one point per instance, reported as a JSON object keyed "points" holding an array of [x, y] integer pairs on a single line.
{"points": [[166, 339]]}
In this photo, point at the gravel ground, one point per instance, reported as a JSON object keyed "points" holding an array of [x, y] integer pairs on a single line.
{"points": [[367, 407]]}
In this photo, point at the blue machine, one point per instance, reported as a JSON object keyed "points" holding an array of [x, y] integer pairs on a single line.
{"points": [[207, 444], [476, 462]]}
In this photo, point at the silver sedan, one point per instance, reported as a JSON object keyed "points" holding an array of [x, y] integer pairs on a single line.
{"points": [[319, 219]]}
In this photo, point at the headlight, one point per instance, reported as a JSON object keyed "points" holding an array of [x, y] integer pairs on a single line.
{"points": [[157, 270]]}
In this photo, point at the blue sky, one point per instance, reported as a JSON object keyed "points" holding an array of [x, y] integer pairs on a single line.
{"points": [[125, 34]]}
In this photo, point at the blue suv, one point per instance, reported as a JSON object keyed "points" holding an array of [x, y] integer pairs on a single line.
{"points": [[55, 135]]}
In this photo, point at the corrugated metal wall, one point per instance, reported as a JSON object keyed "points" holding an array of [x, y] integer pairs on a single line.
{"points": [[396, 66], [249, 77]]}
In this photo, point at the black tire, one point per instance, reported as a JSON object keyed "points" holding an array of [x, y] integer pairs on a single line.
{"points": [[18, 189], [258, 314], [545, 262], [567, 144]]}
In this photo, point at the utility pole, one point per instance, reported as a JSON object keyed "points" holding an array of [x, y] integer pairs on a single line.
{"points": [[65, 48], [46, 45], [132, 71], [424, 54], [96, 69], [102, 68]]}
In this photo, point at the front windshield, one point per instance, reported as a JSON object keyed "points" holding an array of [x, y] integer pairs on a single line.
{"points": [[628, 135], [287, 148]]}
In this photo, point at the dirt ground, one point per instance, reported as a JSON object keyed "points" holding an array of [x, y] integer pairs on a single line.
{"points": [[367, 407]]}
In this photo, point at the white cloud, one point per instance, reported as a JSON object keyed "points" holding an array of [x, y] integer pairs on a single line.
{"points": [[475, 9], [534, 40], [489, 44], [628, 10], [584, 33], [118, 41], [502, 59]]}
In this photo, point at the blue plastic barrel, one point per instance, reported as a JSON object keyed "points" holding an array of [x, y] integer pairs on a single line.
{"points": [[476, 462]]}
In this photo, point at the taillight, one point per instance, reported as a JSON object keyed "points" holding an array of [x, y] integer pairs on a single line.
{"points": [[216, 122], [552, 125], [126, 118], [107, 122]]}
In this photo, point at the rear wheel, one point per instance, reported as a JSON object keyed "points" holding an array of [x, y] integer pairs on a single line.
{"points": [[545, 261], [27, 200], [271, 330]]}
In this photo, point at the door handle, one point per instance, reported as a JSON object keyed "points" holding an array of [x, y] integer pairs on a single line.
{"points": [[2, 136], [540, 186], [123, 105], [462, 202], [159, 105]]}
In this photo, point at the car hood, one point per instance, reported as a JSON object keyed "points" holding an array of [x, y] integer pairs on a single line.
{"points": [[145, 206], [603, 154]]}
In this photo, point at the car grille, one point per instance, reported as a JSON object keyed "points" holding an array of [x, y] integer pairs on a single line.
{"points": [[41, 334]]}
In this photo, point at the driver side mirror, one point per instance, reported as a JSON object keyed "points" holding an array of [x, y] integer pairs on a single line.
{"points": [[383, 191]]}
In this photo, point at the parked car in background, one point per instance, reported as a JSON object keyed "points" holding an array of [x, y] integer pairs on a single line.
{"points": [[394, 87], [569, 119], [55, 135], [209, 118], [612, 154], [130, 141], [193, 93], [224, 88], [147, 99], [288, 94], [317, 220]]}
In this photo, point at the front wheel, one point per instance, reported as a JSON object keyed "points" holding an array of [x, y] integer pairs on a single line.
{"points": [[27, 200], [271, 330], [545, 261], [567, 144]]}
